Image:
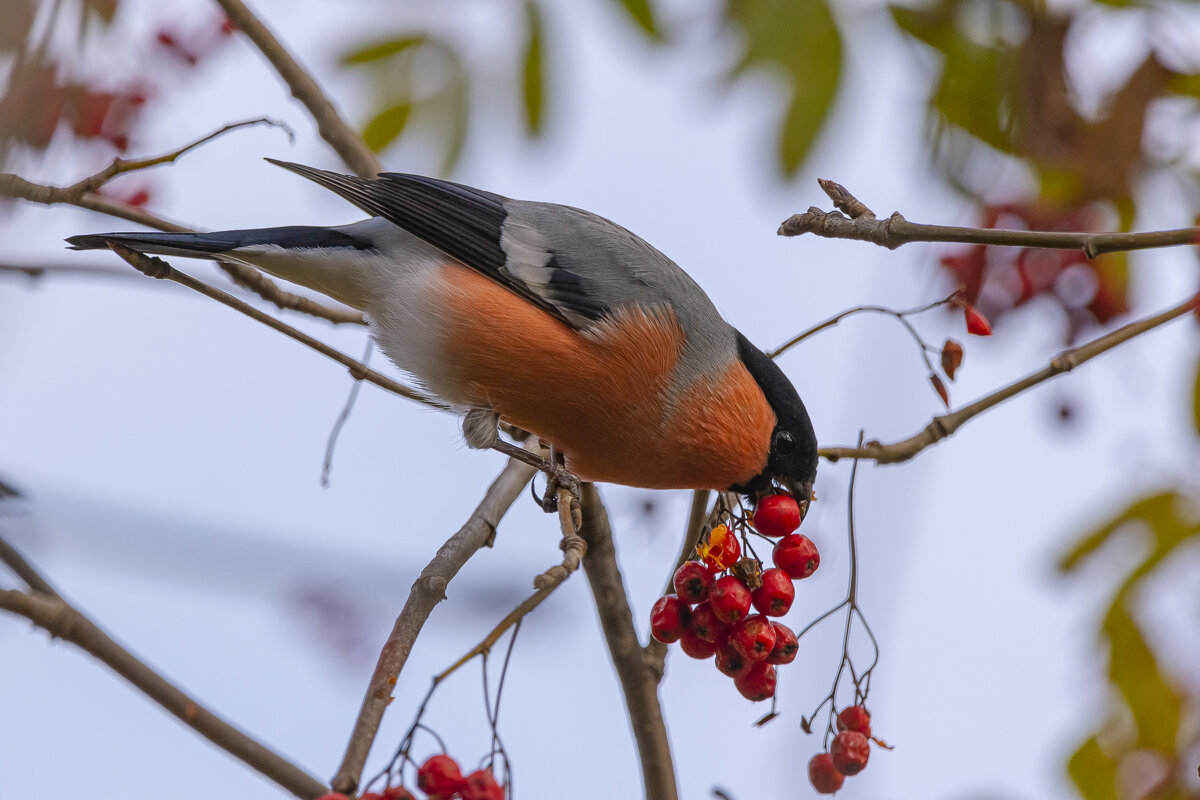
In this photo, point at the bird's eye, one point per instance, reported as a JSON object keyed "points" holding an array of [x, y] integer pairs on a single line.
{"points": [[784, 442]]}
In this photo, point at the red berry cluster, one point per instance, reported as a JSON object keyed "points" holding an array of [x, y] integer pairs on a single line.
{"points": [[439, 778], [710, 612], [847, 754]]}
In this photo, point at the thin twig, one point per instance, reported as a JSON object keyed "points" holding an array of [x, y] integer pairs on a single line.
{"points": [[896, 230], [836, 318], [639, 682], [943, 426], [66, 270], [333, 129], [120, 166], [63, 621], [428, 590], [158, 268], [14, 560]]}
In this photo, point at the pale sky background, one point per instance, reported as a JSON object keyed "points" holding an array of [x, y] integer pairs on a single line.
{"points": [[171, 449]]}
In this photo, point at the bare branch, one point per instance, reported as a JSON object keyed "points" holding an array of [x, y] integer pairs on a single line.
{"points": [[21, 189], [945, 425], [639, 679], [73, 270], [333, 129], [896, 230], [21, 567], [63, 621], [428, 590]]}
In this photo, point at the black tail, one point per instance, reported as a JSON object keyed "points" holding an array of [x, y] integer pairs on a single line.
{"points": [[211, 245]]}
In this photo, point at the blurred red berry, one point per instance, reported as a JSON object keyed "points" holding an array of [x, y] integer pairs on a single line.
{"points": [[823, 775], [481, 785], [850, 750], [707, 626], [333, 796], [88, 111], [730, 598], [139, 198], [166, 39], [757, 684], [753, 637], [786, 646], [796, 555], [977, 324], [777, 515], [732, 663], [668, 619], [855, 718], [227, 27], [774, 598], [696, 647], [397, 793], [440, 777], [691, 582]]}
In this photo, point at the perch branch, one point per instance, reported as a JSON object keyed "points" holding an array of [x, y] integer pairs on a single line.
{"points": [[428, 590]]}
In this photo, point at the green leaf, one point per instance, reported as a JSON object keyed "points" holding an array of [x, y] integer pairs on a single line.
{"points": [[799, 40], [642, 12], [1155, 706], [387, 125], [381, 50], [1093, 771], [1196, 402], [533, 76]]}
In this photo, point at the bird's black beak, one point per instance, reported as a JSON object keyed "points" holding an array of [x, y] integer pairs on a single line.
{"points": [[802, 492]]}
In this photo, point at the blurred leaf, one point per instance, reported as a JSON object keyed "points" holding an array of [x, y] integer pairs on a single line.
{"points": [[800, 39], [1196, 401], [533, 74], [642, 12], [1155, 706], [104, 9], [933, 25], [381, 50], [1094, 773], [17, 17], [387, 125], [1187, 85]]}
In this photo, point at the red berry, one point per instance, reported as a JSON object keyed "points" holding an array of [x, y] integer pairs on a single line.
{"points": [[753, 637], [722, 550], [849, 751], [823, 775], [668, 619], [166, 39], [729, 598], [333, 796], [855, 718], [696, 647], [977, 324], [440, 777], [691, 582], [786, 646], [481, 785], [796, 555], [758, 683], [707, 626], [732, 663], [397, 793], [774, 598], [777, 515], [370, 796]]}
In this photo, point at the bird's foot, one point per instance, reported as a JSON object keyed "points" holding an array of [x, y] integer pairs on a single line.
{"points": [[559, 478], [480, 428]]}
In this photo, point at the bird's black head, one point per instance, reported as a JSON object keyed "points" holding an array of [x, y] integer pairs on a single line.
{"points": [[792, 460]]}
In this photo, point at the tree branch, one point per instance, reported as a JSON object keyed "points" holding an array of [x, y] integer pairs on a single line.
{"points": [[428, 590], [61, 620], [862, 225], [945, 425], [333, 129], [639, 681]]}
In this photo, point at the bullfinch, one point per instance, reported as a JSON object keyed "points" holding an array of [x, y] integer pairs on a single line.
{"points": [[547, 317]]}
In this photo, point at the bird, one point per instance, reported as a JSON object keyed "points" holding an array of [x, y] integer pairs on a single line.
{"points": [[546, 317]]}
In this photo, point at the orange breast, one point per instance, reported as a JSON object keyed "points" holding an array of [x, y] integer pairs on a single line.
{"points": [[604, 397]]}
